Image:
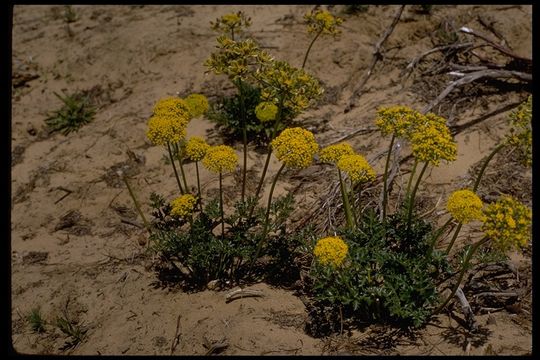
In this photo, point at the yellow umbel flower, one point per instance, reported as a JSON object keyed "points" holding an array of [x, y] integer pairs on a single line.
{"points": [[508, 223], [357, 168], [332, 153], [220, 159], [183, 206], [197, 104], [164, 129], [331, 251], [297, 89], [295, 147], [266, 111], [520, 135], [322, 20], [196, 148], [174, 107], [397, 120], [431, 141], [237, 60], [464, 206], [229, 22]]}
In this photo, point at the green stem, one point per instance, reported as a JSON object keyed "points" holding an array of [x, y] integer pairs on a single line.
{"points": [[267, 216], [309, 47], [353, 205], [346, 204], [458, 228], [413, 195], [413, 171], [198, 184], [221, 207], [438, 234], [137, 206], [180, 160], [265, 229], [385, 178], [267, 162], [470, 253], [174, 168], [244, 136], [484, 166]]}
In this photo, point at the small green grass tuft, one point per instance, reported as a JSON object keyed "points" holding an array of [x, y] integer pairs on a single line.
{"points": [[75, 331], [76, 112], [37, 323]]}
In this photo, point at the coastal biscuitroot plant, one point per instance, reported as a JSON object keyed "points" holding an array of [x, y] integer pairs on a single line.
{"points": [[506, 223], [320, 22]]}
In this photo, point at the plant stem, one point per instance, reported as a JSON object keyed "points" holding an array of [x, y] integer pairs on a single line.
{"points": [[181, 167], [198, 184], [438, 234], [309, 47], [413, 195], [458, 228], [413, 171], [137, 206], [265, 229], [484, 166], [470, 253], [353, 205], [244, 135], [267, 162], [221, 206], [385, 178], [346, 204], [174, 167]]}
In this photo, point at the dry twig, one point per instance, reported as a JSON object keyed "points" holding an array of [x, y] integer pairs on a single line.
{"points": [[241, 293], [377, 55]]}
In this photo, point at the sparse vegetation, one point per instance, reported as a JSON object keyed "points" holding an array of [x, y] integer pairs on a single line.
{"points": [[75, 112], [37, 323]]}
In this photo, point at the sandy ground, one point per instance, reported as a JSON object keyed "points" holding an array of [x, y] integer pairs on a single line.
{"points": [[134, 55]]}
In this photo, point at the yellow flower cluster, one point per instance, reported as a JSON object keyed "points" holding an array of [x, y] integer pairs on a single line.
{"points": [[508, 223], [163, 129], [322, 21], [332, 153], [356, 167], [237, 59], [464, 206], [229, 22], [431, 141], [295, 147], [173, 107], [221, 158], [297, 89], [397, 120], [196, 148], [331, 251], [197, 104], [521, 132], [183, 206], [266, 111]]}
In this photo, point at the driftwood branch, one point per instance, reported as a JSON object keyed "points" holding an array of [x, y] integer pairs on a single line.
{"points": [[242, 293], [470, 77], [417, 59], [466, 308], [377, 55], [496, 46]]}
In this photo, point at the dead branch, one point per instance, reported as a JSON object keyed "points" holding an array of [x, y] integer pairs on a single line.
{"points": [[241, 293], [176, 338], [417, 59], [377, 55], [468, 78], [359, 131], [466, 308], [215, 346], [489, 26], [502, 49]]}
